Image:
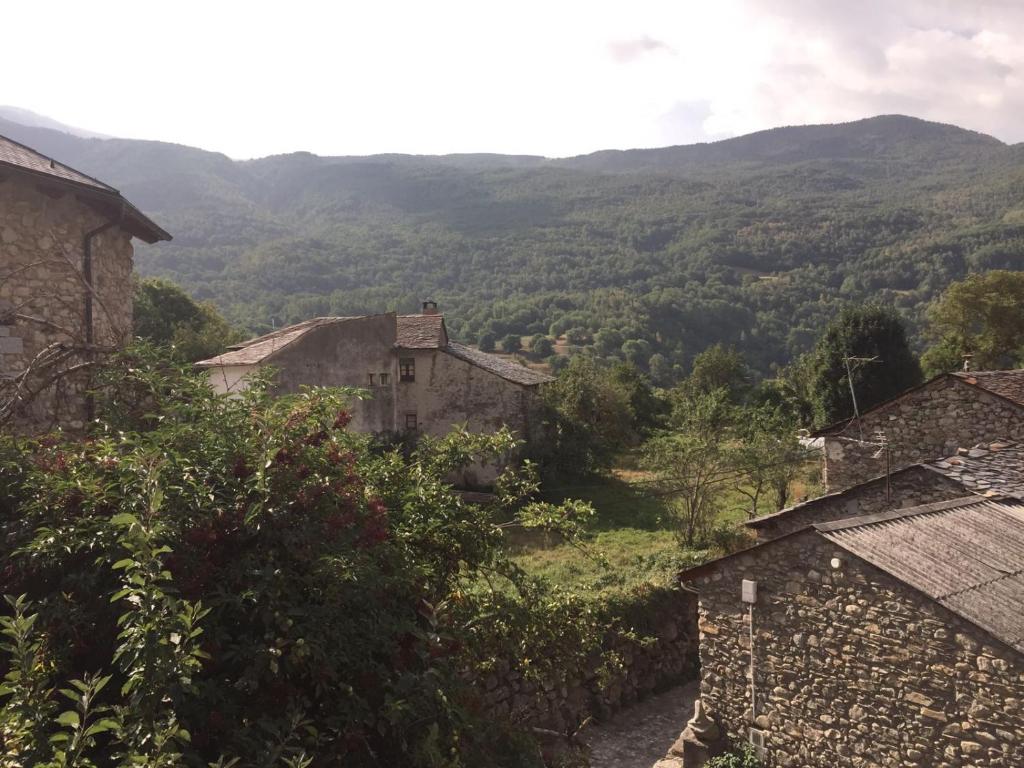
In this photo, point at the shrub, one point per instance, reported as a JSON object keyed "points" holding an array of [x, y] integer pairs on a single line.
{"points": [[207, 579]]}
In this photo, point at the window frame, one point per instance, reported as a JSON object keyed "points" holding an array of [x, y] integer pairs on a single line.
{"points": [[407, 369], [415, 422]]}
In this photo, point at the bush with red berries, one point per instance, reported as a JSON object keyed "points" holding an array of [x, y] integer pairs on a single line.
{"points": [[205, 580]]}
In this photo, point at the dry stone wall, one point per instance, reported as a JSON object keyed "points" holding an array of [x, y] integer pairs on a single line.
{"points": [[909, 487], [646, 667], [41, 245], [929, 423], [853, 668]]}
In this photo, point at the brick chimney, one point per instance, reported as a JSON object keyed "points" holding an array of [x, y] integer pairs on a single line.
{"points": [[430, 307]]}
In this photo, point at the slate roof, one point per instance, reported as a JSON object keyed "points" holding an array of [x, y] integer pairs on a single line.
{"points": [[421, 332], [262, 348], [506, 369], [414, 332], [26, 160], [987, 469], [1009, 385], [967, 555]]}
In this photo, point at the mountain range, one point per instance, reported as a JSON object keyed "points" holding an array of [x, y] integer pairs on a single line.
{"points": [[648, 254]]}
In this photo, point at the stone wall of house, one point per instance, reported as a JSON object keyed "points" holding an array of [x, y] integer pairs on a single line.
{"points": [[450, 391], [42, 249], [646, 667], [929, 423], [909, 487], [853, 668]]}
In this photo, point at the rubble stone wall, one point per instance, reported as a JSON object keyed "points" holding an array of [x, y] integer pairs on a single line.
{"points": [[852, 667], [929, 423], [909, 487], [646, 667], [41, 261]]}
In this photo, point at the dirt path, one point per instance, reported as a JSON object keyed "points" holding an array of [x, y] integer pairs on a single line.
{"points": [[640, 736]]}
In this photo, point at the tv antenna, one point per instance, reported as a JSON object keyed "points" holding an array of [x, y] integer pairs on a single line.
{"points": [[857, 361]]}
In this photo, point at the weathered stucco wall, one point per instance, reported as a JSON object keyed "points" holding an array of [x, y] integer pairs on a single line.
{"points": [[853, 668], [930, 423], [909, 487], [41, 244], [450, 391]]}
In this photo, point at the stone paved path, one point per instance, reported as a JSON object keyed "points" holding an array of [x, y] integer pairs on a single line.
{"points": [[640, 736]]}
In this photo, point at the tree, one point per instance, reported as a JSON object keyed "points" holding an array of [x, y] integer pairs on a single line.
{"points": [[693, 458], [576, 337], [513, 342], [166, 315], [720, 367], [768, 455], [660, 369], [869, 332], [608, 342], [486, 342], [588, 419], [982, 316], [541, 345]]}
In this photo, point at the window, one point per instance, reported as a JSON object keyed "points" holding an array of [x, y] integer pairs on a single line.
{"points": [[371, 379], [385, 379], [407, 369], [410, 421]]}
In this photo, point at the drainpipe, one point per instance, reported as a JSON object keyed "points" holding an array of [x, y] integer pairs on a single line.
{"points": [[90, 334]]}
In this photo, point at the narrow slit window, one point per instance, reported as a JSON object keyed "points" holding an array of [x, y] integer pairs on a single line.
{"points": [[410, 422], [371, 379], [385, 379], [407, 369]]}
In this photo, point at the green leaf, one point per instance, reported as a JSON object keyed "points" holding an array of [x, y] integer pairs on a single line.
{"points": [[124, 519], [102, 726], [69, 718], [126, 563]]}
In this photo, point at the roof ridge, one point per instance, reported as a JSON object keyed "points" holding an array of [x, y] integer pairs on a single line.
{"points": [[65, 166], [900, 514]]}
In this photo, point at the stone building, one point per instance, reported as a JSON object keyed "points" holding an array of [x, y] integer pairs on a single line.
{"points": [[894, 639], [65, 284], [418, 380], [986, 469], [925, 423]]}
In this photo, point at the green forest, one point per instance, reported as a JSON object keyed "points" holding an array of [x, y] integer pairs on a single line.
{"points": [[649, 256]]}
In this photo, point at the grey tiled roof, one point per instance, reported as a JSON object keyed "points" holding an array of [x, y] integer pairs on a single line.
{"points": [[1008, 384], [967, 555], [506, 369], [421, 332], [27, 160], [988, 469], [262, 348]]}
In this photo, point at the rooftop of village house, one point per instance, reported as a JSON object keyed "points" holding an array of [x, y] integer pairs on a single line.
{"points": [[25, 161]]}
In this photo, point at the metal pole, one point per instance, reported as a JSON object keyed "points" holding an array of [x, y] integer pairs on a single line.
{"points": [[853, 396]]}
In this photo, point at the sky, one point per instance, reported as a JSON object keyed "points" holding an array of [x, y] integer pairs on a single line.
{"points": [[556, 78]]}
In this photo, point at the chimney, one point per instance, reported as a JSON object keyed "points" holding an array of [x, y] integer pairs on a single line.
{"points": [[430, 307]]}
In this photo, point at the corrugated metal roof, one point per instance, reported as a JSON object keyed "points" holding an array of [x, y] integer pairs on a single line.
{"points": [[506, 369], [967, 555], [26, 159]]}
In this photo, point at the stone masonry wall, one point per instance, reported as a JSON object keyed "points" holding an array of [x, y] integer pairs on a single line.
{"points": [[909, 487], [41, 257], [646, 668], [929, 423], [852, 667]]}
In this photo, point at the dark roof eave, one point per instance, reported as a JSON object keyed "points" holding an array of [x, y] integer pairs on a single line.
{"points": [[135, 222]]}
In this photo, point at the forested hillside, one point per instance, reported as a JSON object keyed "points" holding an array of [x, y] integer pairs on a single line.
{"points": [[754, 241]]}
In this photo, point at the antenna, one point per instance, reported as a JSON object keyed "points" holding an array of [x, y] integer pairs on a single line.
{"points": [[882, 441], [849, 380]]}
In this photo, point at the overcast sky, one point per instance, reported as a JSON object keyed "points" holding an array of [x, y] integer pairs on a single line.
{"points": [[557, 77]]}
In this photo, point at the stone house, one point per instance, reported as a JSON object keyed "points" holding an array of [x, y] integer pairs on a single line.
{"points": [[986, 469], [924, 423], [418, 380], [65, 284], [894, 639]]}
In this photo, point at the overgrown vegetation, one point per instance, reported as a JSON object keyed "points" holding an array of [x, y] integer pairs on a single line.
{"points": [[208, 580]]}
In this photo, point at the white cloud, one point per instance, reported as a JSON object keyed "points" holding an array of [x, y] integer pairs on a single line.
{"points": [[550, 78]]}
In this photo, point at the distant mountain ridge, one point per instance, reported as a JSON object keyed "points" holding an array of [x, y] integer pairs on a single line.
{"points": [[752, 241]]}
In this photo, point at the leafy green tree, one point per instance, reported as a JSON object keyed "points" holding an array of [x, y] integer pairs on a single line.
{"points": [[982, 316], [636, 351], [588, 419], [867, 332], [486, 342], [720, 367], [660, 369], [513, 342], [768, 455], [577, 337], [166, 315], [608, 342], [541, 345]]}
